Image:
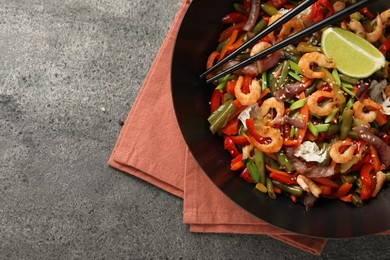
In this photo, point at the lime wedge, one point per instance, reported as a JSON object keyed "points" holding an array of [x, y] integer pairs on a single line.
{"points": [[353, 55]]}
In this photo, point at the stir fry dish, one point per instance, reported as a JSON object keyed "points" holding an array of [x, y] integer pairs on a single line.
{"points": [[310, 121]]}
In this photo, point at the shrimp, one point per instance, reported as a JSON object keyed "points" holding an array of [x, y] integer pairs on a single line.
{"points": [[377, 32], [314, 57], [373, 36], [291, 27], [317, 109], [270, 133], [359, 108], [253, 95], [345, 156], [271, 20], [357, 28], [385, 17], [268, 104], [259, 47]]}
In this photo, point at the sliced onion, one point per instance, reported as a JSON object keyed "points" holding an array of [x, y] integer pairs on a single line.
{"points": [[306, 169], [250, 70], [253, 15], [290, 90], [268, 62], [370, 138], [289, 120]]}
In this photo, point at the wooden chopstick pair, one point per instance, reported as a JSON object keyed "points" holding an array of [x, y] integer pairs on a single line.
{"points": [[286, 17]]}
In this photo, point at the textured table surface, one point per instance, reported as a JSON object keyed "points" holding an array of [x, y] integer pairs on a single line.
{"points": [[69, 73]]}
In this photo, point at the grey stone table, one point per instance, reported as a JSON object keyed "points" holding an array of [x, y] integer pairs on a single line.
{"points": [[69, 73]]}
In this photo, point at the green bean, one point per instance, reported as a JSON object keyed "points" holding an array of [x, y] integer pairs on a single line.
{"points": [[295, 76], [356, 200], [306, 47], [259, 26], [239, 8], [221, 116], [347, 79], [253, 171], [322, 127], [291, 56], [293, 189], [222, 82], [298, 104], [334, 129], [311, 88], [242, 56], [346, 123], [336, 76], [328, 76], [352, 134], [284, 162], [348, 178], [292, 132], [272, 81], [260, 164], [271, 162], [312, 128], [294, 66], [347, 88], [218, 112], [283, 74], [350, 103], [269, 10], [359, 183], [331, 115], [264, 81], [270, 188]]}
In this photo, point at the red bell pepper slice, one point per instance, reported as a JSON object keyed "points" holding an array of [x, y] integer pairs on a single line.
{"points": [[250, 124], [230, 85], [246, 83], [239, 139], [230, 146], [237, 163], [326, 181], [216, 100], [231, 128], [276, 3], [227, 32], [368, 181], [246, 175], [343, 190], [385, 48], [320, 10], [247, 4], [364, 11], [233, 17]]}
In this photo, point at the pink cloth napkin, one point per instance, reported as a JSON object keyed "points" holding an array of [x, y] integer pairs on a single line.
{"points": [[157, 153]]}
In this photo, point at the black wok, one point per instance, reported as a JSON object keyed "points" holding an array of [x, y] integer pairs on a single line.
{"points": [[197, 37]]}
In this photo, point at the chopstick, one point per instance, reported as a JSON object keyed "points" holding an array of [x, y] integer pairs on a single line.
{"points": [[309, 30], [286, 17]]}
